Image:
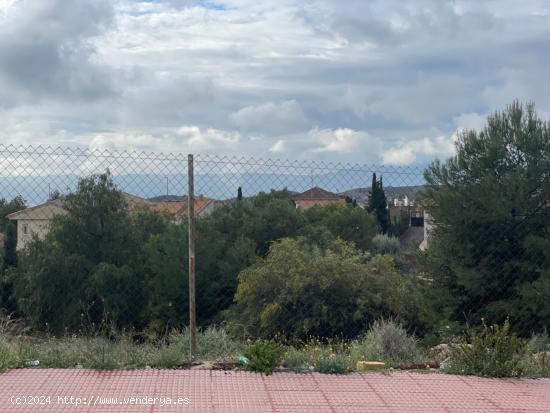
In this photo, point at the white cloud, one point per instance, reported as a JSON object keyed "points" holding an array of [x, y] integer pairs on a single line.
{"points": [[408, 152], [198, 139], [270, 118], [278, 146], [402, 155], [470, 121], [337, 140]]}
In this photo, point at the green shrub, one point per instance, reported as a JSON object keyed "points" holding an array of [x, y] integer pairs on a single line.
{"points": [[490, 351], [386, 341], [8, 358], [336, 363], [297, 360], [302, 290], [536, 362], [540, 342], [385, 244], [263, 356]]}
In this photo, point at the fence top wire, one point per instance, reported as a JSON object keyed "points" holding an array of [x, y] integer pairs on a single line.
{"points": [[33, 170]]}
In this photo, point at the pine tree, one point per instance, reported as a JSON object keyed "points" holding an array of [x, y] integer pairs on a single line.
{"points": [[488, 250], [239, 194]]}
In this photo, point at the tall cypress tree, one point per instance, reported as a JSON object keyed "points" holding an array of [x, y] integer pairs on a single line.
{"points": [[378, 205], [239, 194]]}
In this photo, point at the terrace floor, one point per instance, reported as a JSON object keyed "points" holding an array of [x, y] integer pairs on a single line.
{"points": [[229, 391]]}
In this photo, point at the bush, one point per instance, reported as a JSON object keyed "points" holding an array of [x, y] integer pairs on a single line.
{"points": [[8, 358], [491, 351], [300, 290], [334, 364], [297, 361], [386, 341], [328, 357], [263, 356], [385, 244]]}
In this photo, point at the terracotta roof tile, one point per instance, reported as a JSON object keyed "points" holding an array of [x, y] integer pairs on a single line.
{"points": [[317, 193]]}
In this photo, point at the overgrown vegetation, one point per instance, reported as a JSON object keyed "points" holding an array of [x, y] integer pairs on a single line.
{"points": [[490, 351], [116, 352], [494, 351], [271, 270]]}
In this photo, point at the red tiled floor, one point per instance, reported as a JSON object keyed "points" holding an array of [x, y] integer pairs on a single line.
{"points": [[218, 391]]}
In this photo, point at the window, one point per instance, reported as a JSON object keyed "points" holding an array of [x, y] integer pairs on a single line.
{"points": [[25, 229]]}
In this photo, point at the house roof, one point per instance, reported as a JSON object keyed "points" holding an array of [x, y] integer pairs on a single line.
{"points": [[135, 201], [168, 207], [201, 204], [43, 211], [49, 209], [317, 194]]}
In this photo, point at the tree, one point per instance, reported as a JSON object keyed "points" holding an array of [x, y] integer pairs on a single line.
{"points": [[239, 194], [301, 290], [55, 194], [9, 253], [89, 269], [348, 223], [378, 205], [9, 258], [6, 208], [489, 205]]}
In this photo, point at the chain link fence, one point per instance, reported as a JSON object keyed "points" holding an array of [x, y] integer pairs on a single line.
{"points": [[294, 249]]}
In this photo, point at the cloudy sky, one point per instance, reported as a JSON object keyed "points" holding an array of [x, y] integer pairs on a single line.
{"points": [[365, 81]]}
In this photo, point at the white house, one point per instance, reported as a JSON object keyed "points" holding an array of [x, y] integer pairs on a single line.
{"points": [[35, 220]]}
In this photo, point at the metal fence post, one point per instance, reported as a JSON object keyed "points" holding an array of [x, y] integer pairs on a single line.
{"points": [[191, 227]]}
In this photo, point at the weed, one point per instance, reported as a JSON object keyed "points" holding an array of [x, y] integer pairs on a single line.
{"points": [[334, 364], [492, 351], [297, 361]]}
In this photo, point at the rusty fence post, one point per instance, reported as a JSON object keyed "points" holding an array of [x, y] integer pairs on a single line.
{"points": [[191, 228]]}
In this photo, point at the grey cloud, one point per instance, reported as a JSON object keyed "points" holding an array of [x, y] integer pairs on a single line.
{"points": [[155, 102], [46, 53], [271, 119], [394, 72]]}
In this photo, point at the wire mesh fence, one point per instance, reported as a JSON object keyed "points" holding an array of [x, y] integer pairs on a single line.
{"points": [[283, 248]]}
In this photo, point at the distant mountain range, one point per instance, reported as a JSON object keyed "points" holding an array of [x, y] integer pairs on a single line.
{"points": [[168, 198], [156, 186]]}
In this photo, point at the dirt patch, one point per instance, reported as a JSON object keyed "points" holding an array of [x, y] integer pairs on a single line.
{"points": [[230, 365]]}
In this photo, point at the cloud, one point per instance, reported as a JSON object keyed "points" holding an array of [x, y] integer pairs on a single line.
{"points": [[270, 118], [372, 81], [187, 138], [47, 51], [471, 121], [278, 147], [337, 140], [411, 151], [199, 139]]}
